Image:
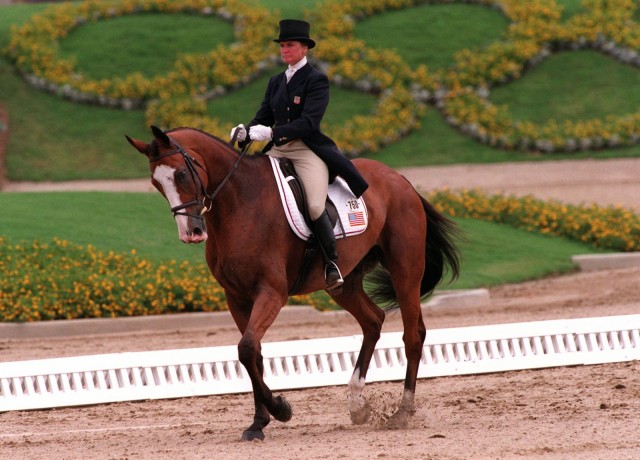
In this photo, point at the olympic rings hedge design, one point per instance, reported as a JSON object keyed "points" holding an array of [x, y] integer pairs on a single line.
{"points": [[35, 52], [606, 26], [461, 92]]}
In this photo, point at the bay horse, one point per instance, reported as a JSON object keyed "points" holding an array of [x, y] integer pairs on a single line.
{"points": [[234, 206]]}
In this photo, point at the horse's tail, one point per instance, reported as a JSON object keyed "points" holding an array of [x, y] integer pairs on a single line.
{"points": [[441, 255]]}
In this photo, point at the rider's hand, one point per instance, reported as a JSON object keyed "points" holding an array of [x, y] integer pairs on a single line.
{"points": [[242, 133], [260, 133]]}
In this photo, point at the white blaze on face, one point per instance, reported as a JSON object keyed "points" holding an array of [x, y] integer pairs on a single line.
{"points": [[165, 176]]}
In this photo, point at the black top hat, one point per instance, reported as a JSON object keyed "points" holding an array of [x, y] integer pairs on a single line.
{"points": [[295, 30]]}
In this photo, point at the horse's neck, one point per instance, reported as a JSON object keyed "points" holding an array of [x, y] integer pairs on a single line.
{"points": [[219, 162], [244, 179]]}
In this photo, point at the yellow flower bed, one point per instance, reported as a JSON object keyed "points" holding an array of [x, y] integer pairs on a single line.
{"points": [[614, 228], [59, 280]]}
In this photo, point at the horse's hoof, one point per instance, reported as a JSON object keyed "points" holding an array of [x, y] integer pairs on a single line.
{"points": [[398, 421], [253, 435], [284, 411], [360, 412]]}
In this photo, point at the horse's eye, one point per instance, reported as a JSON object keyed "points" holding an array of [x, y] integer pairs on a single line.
{"points": [[181, 176]]}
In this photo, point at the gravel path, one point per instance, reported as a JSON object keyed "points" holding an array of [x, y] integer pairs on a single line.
{"points": [[605, 182]]}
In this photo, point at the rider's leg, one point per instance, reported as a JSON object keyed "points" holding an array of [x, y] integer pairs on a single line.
{"points": [[323, 231], [314, 175]]}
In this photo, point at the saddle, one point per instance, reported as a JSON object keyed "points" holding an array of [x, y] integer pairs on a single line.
{"points": [[348, 214], [289, 172]]}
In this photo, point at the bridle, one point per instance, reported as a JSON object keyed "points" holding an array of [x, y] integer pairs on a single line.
{"points": [[192, 165]]}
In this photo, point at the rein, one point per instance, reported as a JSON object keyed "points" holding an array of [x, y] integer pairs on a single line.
{"points": [[244, 150], [197, 179]]}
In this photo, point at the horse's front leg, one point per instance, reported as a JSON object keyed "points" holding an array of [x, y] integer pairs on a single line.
{"points": [[263, 314], [261, 417]]}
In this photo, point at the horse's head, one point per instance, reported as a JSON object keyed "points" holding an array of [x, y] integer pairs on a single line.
{"points": [[181, 178]]}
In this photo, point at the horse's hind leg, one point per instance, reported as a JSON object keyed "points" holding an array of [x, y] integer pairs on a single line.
{"points": [[403, 247], [413, 337], [370, 317]]}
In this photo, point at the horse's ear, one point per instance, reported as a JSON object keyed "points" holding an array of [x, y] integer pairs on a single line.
{"points": [[161, 136], [138, 145]]}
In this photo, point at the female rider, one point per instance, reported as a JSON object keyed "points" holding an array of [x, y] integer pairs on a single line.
{"points": [[289, 118]]}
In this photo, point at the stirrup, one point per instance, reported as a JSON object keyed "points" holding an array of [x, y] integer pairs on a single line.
{"points": [[333, 284]]}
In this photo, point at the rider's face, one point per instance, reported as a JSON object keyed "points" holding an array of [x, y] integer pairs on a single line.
{"points": [[292, 52]]}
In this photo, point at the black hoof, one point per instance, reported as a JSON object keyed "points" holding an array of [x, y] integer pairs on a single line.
{"points": [[284, 411], [253, 435]]}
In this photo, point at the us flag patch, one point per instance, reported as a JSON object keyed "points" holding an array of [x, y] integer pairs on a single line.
{"points": [[356, 218], [296, 99]]}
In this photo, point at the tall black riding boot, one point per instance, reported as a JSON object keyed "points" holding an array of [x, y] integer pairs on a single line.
{"points": [[324, 234]]}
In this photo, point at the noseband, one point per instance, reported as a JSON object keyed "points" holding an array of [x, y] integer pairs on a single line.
{"points": [[192, 166]]}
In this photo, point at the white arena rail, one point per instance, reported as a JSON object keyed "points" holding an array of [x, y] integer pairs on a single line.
{"points": [[83, 380]]}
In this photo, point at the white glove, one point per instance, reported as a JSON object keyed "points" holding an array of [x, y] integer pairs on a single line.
{"points": [[260, 133], [242, 133]]}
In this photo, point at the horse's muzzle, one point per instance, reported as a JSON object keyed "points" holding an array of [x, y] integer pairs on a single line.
{"points": [[194, 237], [193, 232]]}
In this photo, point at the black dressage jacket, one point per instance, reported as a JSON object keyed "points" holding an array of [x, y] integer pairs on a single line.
{"points": [[294, 112]]}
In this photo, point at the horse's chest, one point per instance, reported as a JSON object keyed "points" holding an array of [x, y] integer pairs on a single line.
{"points": [[234, 271]]}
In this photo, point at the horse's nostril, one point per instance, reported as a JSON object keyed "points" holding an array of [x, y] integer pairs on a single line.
{"points": [[197, 231]]}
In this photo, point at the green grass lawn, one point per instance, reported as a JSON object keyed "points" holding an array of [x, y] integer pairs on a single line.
{"points": [[145, 43], [109, 221], [570, 7], [55, 139], [423, 35], [497, 254], [573, 85]]}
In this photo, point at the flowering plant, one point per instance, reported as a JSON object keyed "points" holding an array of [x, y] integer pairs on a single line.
{"points": [[74, 281], [610, 227]]}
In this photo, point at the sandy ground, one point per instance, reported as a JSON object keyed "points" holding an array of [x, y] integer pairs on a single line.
{"points": [[571, 412]]}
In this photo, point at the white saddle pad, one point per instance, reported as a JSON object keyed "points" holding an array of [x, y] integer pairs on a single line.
{"points": [[352, 211]]}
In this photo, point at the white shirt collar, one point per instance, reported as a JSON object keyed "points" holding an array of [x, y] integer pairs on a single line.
{"points": [[299, 64]]}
